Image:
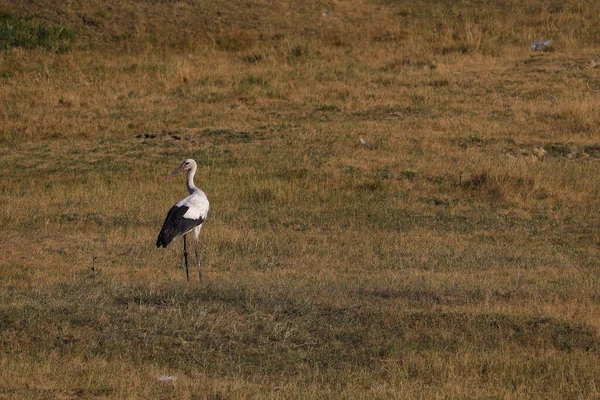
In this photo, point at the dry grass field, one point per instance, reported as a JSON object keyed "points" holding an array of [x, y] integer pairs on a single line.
{"points": [[445, 257]]}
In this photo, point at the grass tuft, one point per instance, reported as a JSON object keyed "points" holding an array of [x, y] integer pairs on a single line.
{"points": [[22, 33]]}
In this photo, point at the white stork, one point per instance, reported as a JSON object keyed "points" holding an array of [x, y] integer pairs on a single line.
{"points": [[186, 215]]}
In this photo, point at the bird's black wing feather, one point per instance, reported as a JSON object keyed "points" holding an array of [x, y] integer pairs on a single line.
{"points": [[175, 224]]}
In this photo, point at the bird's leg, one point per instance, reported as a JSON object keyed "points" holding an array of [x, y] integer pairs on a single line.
{"points": [[198, 257], [185, 257]]}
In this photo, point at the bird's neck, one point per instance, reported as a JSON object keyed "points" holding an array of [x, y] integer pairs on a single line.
{"points": [[190, 180]]}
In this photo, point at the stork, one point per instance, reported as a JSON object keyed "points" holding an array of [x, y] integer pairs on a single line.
{"points": [[186, 215]]}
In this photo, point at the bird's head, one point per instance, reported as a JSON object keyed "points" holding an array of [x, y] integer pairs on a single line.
{"points": [[185, 166]]}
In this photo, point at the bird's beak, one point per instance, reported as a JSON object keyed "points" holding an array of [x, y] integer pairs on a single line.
{"points": [[172, 174]]}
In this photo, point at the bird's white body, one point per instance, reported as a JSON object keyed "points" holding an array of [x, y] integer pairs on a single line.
{"points": [[186, 215], [197, 204]]}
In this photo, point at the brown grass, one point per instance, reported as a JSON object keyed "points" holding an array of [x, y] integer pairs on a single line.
{"points": [[442, 259]]}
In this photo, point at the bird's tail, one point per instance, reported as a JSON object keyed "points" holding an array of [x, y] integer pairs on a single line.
{"points": [[163, 239]]}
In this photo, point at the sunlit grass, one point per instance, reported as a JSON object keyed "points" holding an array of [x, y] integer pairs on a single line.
{"points": [[442, 257]]}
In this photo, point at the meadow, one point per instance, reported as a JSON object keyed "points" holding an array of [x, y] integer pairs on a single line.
{"points": [[453, 252]]}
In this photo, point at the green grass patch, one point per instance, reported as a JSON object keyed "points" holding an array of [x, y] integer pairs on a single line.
{"points": [[24, 33]]}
